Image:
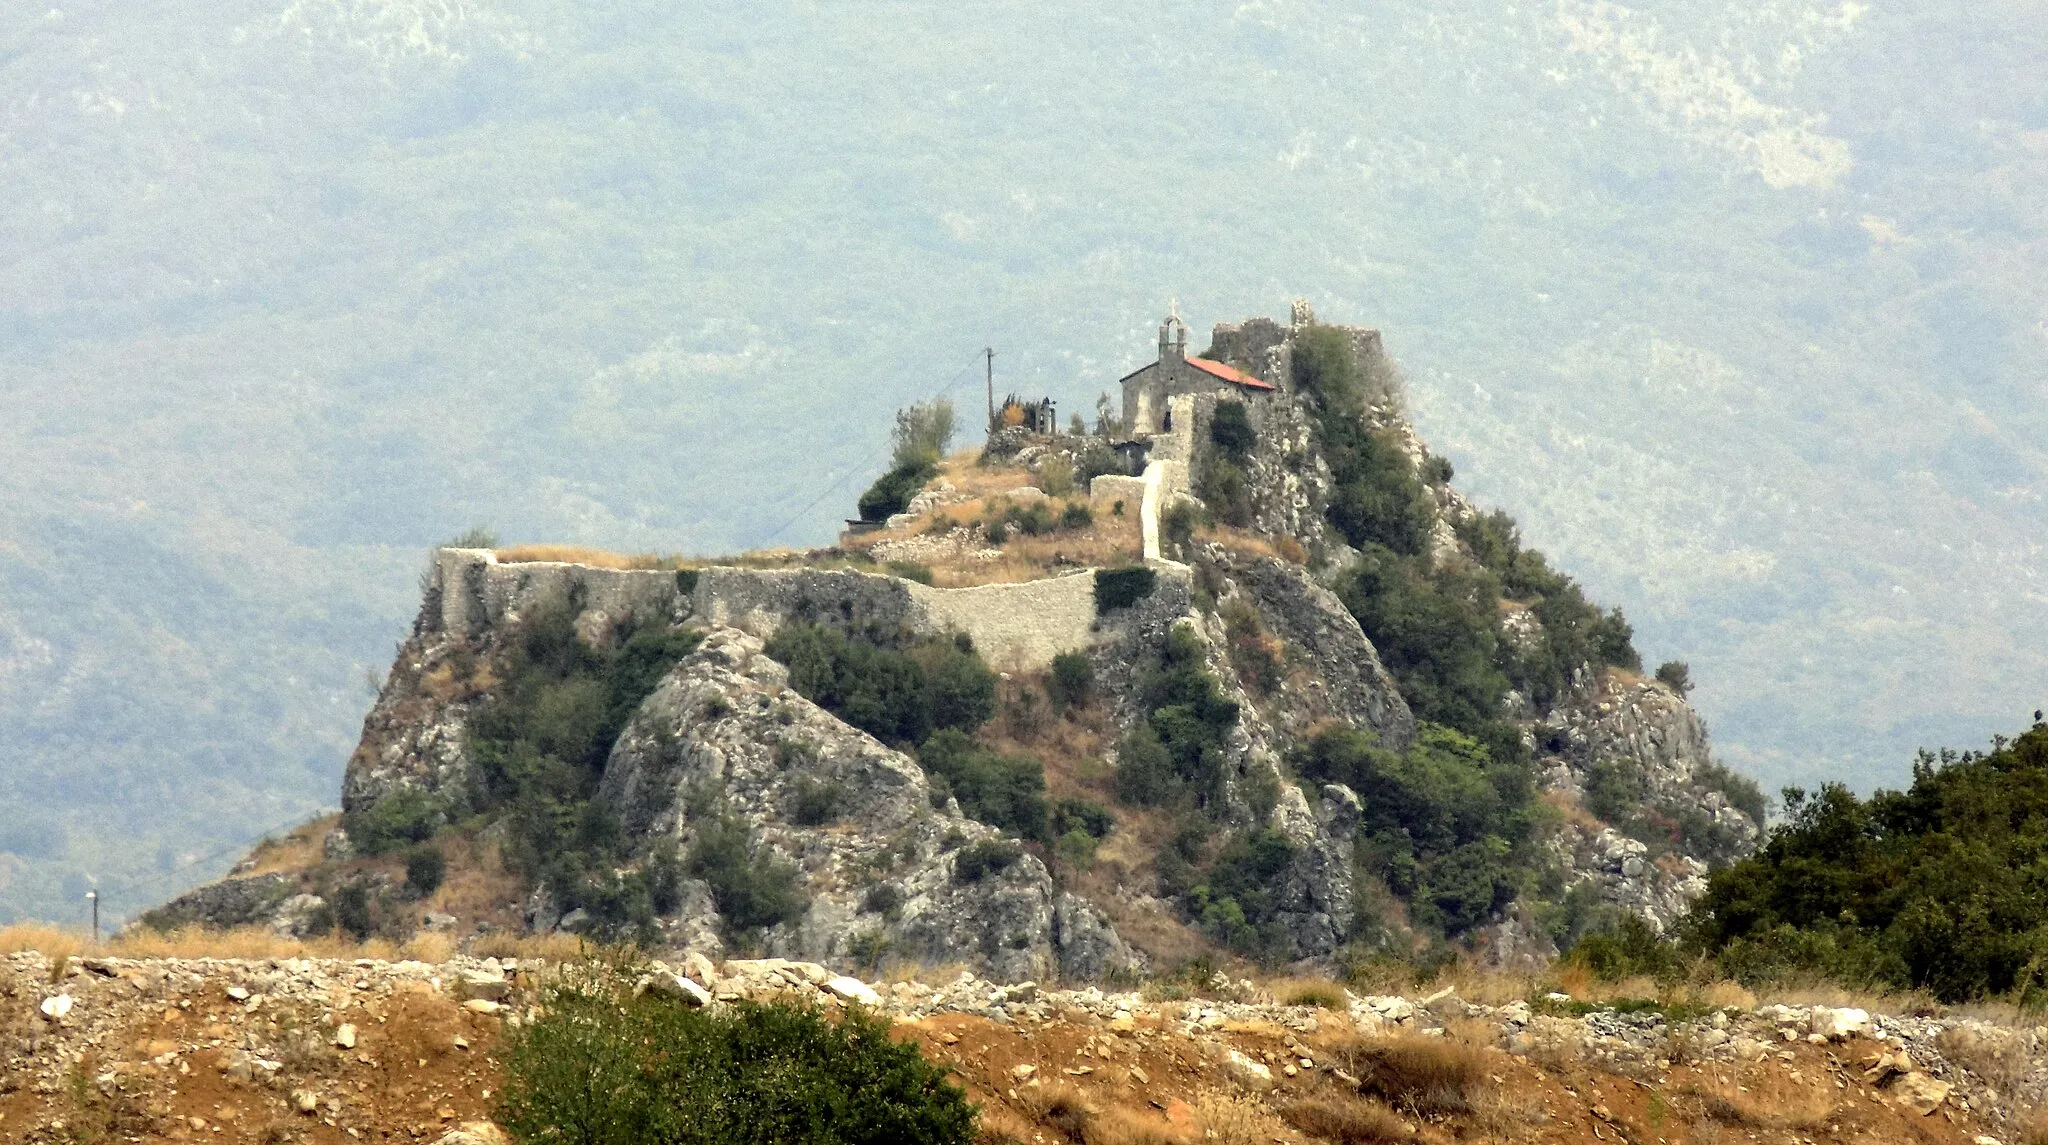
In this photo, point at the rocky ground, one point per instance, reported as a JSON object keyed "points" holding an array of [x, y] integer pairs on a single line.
{"points": [[316, 1050]]}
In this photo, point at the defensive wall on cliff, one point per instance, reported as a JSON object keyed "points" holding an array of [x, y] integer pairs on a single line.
{"points": [[1015, 627]]}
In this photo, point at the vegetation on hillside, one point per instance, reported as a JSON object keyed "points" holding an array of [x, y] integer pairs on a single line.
{"points": [[539, 746], [922, 435], [1445, 824], [1938, 887], [927, 696], [606, 1065]]}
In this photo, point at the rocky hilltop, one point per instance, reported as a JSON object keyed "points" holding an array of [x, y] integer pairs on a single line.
{"points": [[1239, 674]]}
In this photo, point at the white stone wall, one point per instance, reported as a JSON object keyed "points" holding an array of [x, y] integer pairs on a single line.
{"points": [[479, 593], [1016, 627]]}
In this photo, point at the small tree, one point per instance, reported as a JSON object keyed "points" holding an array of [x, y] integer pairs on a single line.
{"points": [[425, 867], [924, 432], [1105, 420], [1676, 675]]}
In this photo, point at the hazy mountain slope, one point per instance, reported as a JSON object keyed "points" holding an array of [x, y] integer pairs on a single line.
{"points": [[1728, 303]]}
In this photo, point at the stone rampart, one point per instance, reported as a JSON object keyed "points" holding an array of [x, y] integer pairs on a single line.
{"points": [[478, 593], [1013, 626]]}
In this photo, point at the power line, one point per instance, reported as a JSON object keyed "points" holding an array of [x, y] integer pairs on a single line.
{"points": [[952, 384]]}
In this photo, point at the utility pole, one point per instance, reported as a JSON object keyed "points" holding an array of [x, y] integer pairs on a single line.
{"points": [[990, 353], [93, 897]]}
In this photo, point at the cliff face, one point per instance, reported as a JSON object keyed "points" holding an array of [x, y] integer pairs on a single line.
{"points": [[725, 739], [721, 744]]}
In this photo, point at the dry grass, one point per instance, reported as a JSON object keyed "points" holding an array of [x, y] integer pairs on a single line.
{"points": [[1062, 1109], [2000, 1059], [1237, 1121], [243, 942], [1426, 1076], [1119, 1125], [538, 947], [578, 555], [2031, 1129], [296, 850], [1321, 993], [53, 943], [1802, 1112], [1347, 1120]]}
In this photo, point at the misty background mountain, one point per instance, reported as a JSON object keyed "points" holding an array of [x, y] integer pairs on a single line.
{"points": [[1736, 306]]}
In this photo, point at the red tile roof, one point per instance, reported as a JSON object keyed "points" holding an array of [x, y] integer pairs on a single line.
{"points": [[1234, 377]]}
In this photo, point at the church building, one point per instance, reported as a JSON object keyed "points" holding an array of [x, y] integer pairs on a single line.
{"points": [[1147, 389]]}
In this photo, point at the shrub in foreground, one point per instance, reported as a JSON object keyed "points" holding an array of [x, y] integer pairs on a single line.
{"points": [[603, 1067]]}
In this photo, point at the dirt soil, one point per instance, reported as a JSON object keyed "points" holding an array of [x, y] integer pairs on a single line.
{"points": [[305, 1050]]}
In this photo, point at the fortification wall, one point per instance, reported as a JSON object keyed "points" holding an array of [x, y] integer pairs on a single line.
{"points": [[1018, 627], [478, 593]]}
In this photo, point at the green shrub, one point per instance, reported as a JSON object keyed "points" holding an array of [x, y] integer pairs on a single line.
{"points": [[977, 861], [1445, 824], [910, 570], [892, 491], [1937, 887], [474, 537], [1375, 497], [1006, 791], [1075, 850], [882, 899], [815, 802], [1056, 476], [1224, 488], [1234, 899], [1627, 949], [425, 867], [923, 434], [752, 890], [1122, 587], [1098, 459], [1074, 813], [1077, 515], [1676, 675], [540, 744], [602, 1066], [1177, 524], [1072, 682], [352, 910], [1176, 755], [405, 816], [1230, 428]]}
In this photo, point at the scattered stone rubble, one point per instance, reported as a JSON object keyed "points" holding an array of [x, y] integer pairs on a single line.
{"points": [[257, 1017]]}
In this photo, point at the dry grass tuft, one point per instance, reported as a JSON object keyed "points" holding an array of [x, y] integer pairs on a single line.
{"points": [[540, 947], [2000, 1059], [1318, 992], [1802, 1112], [1121, 1126], [429, 946], [54, 943], [1062, 1109], [1236, 1121], [578, 555], [1347, 1120], [2032, 1129], [1427, 1076], [242, 942]]}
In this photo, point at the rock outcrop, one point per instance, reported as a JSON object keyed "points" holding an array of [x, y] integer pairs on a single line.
{"points": [[725, 740]]}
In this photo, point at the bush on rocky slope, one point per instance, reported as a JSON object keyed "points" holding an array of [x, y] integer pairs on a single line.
{"points": [[1938, 887], [1444, 824], [539, 748], [603, 1065], [898, 695]]}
